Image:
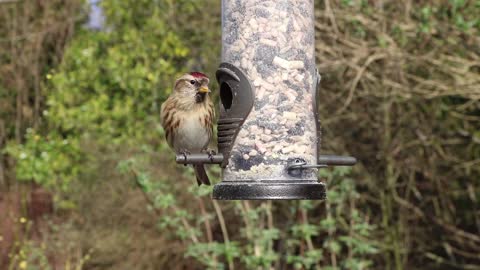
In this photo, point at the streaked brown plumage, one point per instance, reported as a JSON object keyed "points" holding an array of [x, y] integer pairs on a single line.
{"points": [[187, 118]]}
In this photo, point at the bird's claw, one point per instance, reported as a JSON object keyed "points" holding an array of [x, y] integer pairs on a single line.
{"points": [[210, 154], [185, 153]]}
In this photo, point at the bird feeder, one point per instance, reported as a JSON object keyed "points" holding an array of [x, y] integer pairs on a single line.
{"points": [[268, 130]]}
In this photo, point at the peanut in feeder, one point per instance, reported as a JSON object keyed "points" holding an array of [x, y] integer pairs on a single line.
{"points": [[268, 137]]}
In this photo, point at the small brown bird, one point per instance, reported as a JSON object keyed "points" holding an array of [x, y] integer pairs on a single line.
{"points": [[187, 118]]}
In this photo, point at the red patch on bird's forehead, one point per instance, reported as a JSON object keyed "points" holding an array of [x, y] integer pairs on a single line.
{"points": [[198, 75]]}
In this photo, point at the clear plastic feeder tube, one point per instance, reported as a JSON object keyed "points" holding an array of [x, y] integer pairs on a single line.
{"points": [[273, 43]]}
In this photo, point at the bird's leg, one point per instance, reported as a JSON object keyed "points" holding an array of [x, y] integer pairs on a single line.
{"points": [[185, 153], [211, 153]]}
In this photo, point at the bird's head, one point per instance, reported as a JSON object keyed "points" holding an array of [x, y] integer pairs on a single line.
{"points": [[192, 87]]}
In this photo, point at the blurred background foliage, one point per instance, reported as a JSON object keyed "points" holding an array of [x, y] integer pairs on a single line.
{"points": [[87, 181]]}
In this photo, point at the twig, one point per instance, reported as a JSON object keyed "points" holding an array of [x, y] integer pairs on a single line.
{"points": [[331, 16], [256, 248], [208, 227], [357, 78], [218, 210], [333, 256]]}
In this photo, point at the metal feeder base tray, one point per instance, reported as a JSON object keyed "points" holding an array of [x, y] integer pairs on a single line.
{"points": [[269, 190]]}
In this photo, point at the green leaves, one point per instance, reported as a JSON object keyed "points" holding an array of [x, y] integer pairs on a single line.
{"points": [[304, 230], [307, 261], [106, 94], [456, 13], [110, 84], [213, 249], [50, 161]]}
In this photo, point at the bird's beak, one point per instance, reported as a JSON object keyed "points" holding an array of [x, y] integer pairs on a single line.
{"points": [[203, 89]]}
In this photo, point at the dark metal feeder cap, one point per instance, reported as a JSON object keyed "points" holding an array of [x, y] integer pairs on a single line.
{"points": [[269, 190]]}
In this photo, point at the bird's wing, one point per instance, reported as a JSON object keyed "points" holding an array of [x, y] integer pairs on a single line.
{"points": [[210, 118], [167, 117]]}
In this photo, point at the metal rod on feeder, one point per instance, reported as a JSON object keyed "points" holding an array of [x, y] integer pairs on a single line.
{"points": [[333, 160], [327, 160], [199, 159]]}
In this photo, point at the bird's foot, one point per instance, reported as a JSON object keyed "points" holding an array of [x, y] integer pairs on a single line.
{"points": [[211, 153], [185, 153]]}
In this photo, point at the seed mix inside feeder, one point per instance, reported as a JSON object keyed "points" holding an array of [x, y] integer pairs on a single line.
{"points": [[268, 137]]}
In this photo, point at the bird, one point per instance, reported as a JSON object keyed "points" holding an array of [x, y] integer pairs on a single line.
{"points": [[187, 117]]}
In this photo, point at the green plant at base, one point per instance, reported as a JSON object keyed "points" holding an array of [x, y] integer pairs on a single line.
{"points": [[339, 240]]}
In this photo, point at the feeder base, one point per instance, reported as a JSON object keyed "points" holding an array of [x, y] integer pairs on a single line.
{"points": [[269, 190]]}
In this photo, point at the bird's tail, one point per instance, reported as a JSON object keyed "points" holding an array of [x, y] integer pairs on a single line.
{"points": [[202, 177]]}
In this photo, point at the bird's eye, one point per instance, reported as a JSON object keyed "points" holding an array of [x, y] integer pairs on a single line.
{"points": [[192, 82]]}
